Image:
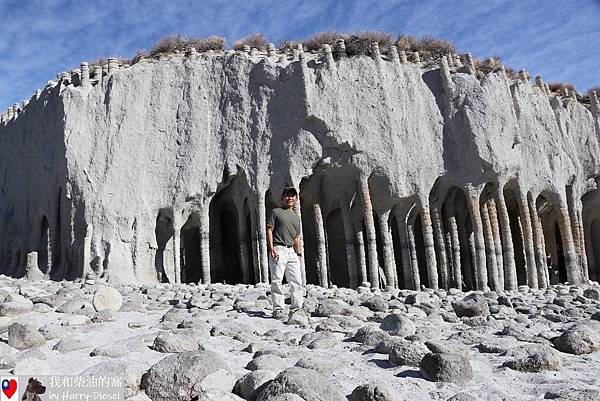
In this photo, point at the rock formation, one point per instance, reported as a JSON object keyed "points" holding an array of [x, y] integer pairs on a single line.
{"points": [[411, 174]]}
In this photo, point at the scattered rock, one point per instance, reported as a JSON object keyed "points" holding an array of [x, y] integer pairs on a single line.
{"points": [[306, 383], [471, 305], [532, 358], [107, 298], [69, 344], [167, 342], [579, 339], [268, 362], [128, 371], [376, 304], [370, 335], [452, 368], [247, 386], [407, 353], [181, 377], [374, 392], [24, 336], [398, 325]]}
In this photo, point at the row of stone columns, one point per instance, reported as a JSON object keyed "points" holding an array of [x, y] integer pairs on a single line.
{"points": [[488, 255]]}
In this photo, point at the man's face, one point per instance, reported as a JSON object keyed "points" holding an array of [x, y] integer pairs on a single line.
{"points": [[289, 199]]}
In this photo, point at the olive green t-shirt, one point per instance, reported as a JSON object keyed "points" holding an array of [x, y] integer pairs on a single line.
{"points": [[286, 226]]}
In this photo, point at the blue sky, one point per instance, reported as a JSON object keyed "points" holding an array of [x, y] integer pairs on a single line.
{"points": [[558, 39]]}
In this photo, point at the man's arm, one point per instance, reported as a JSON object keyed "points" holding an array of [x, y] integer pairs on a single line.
{"points": [[270, 242], [297, 246]]}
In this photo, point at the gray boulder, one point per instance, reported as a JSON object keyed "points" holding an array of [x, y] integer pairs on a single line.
{"points": [[167, 342], [24, 336], [247, 386], [579, 339], [328, 307], [181, 377], [398, 325], [374, 392], [306, 383], [407, 353], [471, 305], [128, 371], [592, 293], [370, 335], [268, 362], [69, 344], [107, 298], [376, 303], [532, 358], [452, 368]]}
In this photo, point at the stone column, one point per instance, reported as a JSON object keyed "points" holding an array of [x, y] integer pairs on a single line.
{"points": [[255, 246], [350, 249], [404, 249], [298, 210], [455, 243], [98, 73], [85, 74], [589, 249], [527, 240], [413, 274], [574, 275], [584, 260], [373, 264], [493, 213], [387, 247], [362, 260], [204, 231], [321, 247], [262, 238], [432, 274], [113, 65], [538, 240], [510, 268], [478, 243], [490, 247], [243, 249], [438, 232], [177, 246]]}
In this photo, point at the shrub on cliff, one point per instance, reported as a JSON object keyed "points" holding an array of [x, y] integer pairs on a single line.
{"points": [[256, 40], [427, 46], [559, 87], [360, 43], [173, 43]]}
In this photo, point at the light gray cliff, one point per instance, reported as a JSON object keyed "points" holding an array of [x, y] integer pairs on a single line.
{"points": [[422, 175]]}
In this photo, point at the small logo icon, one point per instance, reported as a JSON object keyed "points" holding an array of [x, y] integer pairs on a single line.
{"points": [[9, 388]]}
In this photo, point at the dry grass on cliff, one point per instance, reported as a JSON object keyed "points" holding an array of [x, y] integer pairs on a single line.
{"points": [[315, 42], [254, 40], [427, 46], [173, 43], [559, 87], [360, 43]]}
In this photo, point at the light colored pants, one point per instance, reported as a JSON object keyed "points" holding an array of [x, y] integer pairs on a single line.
{"points": [[287, 263]]}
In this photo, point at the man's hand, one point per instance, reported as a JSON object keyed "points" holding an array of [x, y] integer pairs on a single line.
{"points": [[274, 254]]}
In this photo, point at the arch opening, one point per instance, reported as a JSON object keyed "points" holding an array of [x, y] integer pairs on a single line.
{"points": [[336, 249], [591, 232], [164, 257], [43, 247], [455, 209], [225, 266], [514, 218], [191, 253], [555, 257]]}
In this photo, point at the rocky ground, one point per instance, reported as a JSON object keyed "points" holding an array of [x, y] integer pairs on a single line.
{"points": [[218, 342]]}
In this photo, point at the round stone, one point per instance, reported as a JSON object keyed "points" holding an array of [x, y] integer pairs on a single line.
{"points": [[107, 298]]}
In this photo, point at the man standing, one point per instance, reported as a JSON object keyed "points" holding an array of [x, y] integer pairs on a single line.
{"points": [[283, 240]]}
